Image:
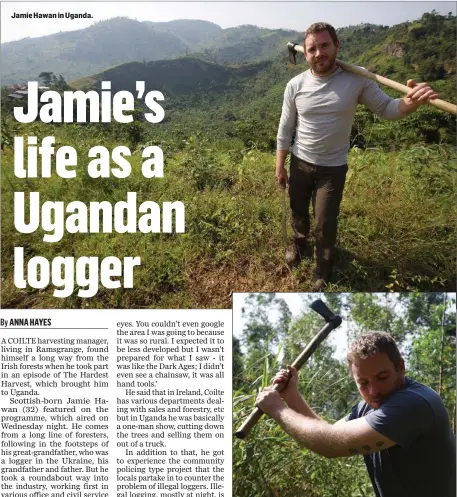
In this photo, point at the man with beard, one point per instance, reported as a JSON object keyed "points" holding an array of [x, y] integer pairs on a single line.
{"points": [[401, 426], [319, 107]]}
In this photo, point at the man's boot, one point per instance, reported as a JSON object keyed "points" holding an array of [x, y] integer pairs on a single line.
{"points": [[295, 252], [323, 271]]}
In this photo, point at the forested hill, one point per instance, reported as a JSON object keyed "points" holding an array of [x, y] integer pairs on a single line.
{"points": [[424, 48], [247, 44], [177, 77], [120, 40], [107, 43], [218, 137]]}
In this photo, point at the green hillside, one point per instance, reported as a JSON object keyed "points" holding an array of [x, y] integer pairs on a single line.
{"points": [[397, 222], [246, 44], [190, 32], [79, 53], [177, 77], [424, 48]]}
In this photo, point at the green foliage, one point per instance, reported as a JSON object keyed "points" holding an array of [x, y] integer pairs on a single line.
{"points": [[205, 167], [237, 363], [384, 205], [269, 462], [397, 223], [246, 44], [260, 336], [75, 54], [255, 134], [8, 132], [423, 49], [53, 82], [355, 40], [432, 355]]}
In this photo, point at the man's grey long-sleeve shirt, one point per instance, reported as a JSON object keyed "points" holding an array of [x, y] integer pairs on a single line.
{"points": [[321, 111]]}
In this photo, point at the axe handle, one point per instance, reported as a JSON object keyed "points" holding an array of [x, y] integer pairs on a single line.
{"points": [[244, 430], [440, 104], [315, 342], [437, 102]]}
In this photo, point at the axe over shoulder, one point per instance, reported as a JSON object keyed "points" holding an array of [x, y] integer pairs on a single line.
{"points": [[440, 104]]}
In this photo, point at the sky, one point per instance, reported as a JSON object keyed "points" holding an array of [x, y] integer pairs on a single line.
{"points": [[273, 14], [296, 306], [338, 338]]}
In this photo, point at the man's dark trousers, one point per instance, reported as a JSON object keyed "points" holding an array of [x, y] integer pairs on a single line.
{"points": [[324, 186]]}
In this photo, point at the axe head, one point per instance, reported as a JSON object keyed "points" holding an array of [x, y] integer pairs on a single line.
{"points": [[292, 53], [319, 306]]}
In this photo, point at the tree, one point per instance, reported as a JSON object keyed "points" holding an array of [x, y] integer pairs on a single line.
{"points": [[54, 82], [261, 335], [60, 84], [431, 358], [269, 463], [46, 77]]}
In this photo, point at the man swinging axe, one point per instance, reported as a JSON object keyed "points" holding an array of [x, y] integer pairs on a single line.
{"points": [[401, 427], [319, 107]]}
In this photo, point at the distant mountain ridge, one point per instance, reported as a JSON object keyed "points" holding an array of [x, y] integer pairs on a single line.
{"points": [[107, 43], [247, 43], [121, 48]]}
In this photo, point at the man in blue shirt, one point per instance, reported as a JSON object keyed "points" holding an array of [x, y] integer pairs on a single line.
{"points": [[401, 427]]}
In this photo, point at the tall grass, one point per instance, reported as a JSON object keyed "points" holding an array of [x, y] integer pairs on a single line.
{"points": [[269, 463], [397, 224]]}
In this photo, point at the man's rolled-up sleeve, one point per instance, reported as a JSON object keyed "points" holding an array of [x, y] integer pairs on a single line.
{"points": [[288, 121], [402, 418]]}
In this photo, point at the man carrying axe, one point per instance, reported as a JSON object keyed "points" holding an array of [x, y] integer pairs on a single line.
{"points": [[401, 426], [319, 107]]}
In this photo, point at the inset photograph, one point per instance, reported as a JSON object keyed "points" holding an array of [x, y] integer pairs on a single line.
{"points": [[344, 394]]}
